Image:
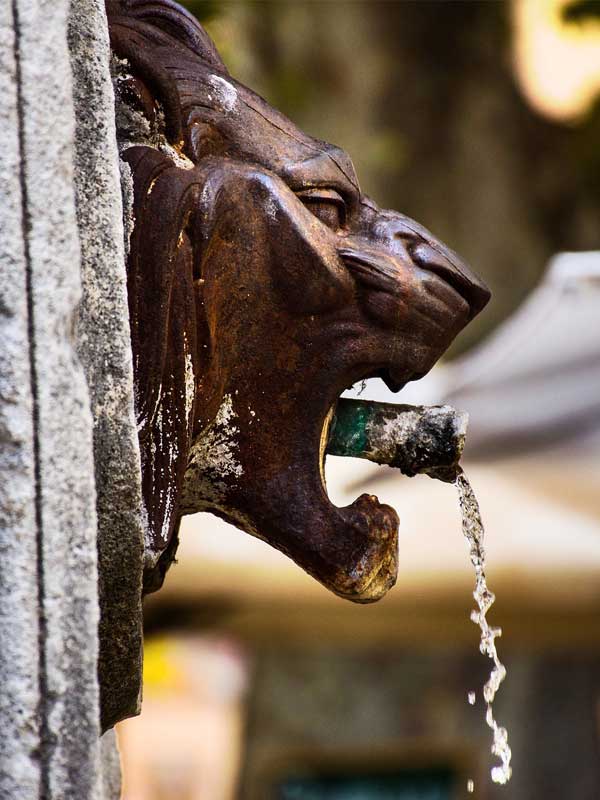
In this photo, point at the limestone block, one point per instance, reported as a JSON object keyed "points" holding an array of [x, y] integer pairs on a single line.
{"points": [[50, 747], [105, 350], [19, 617]]}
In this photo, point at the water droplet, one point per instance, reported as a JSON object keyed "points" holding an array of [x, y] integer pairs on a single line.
{"points": [[471, 697], [470, 786]]}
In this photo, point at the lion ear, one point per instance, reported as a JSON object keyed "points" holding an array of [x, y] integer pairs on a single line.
{"points": [[163, 333], [160, 40], [155, 17]]}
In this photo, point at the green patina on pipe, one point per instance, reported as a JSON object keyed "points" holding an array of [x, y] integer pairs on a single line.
{"points": [[425, 440]]}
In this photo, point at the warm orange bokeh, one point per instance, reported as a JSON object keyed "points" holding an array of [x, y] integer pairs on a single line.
{"points": [[558, 64]]}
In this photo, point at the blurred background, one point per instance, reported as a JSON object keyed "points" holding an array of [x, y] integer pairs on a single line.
{"points": [[482, 121]]}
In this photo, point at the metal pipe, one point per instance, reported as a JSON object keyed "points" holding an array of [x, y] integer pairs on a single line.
{"points": [[425, 440]]}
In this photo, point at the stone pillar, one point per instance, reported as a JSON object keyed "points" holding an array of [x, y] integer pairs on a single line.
{"points": [[105, 350], [69, 468]]}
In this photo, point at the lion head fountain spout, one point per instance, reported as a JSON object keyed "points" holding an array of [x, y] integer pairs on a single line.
{"points": [[262, 284]]}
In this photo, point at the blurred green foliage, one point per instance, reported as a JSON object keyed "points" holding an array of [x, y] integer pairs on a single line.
{"points": [[204, 10]]}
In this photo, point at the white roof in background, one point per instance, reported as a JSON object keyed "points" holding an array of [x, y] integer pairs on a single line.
{"points": [[574, 267], [538, 375]]}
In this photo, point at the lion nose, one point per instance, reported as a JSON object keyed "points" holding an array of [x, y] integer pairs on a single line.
{"points": [[447, 265], [430, 254]]}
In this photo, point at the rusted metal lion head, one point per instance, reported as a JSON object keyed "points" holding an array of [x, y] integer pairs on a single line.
{"points": [[262, 284]]}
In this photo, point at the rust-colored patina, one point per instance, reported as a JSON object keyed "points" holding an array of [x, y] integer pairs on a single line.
{"points": [[262, 284]]}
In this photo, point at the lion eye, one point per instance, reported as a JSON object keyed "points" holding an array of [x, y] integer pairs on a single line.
{"points": [[327, 205]]}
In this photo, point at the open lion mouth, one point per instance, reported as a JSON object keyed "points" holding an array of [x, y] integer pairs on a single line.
{"points": [[426, 440], [264, 472], [364, 536], [352, 550]]}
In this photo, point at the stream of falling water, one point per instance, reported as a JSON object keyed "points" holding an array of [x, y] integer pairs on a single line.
{"points": [[472, 526]]}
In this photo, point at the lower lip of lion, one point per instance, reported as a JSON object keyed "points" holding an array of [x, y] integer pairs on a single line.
{"points": [[413, 439], [376, 571], [353, 551]]}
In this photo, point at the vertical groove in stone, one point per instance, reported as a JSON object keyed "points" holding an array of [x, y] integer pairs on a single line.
{"points": [[19, 608], [50, 746], [69, 752], [42, 712], [42, 630]]}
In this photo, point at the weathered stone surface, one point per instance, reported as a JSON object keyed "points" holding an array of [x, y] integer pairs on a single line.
{"points": [[65, 497], [111, 767], [50, 745], [69, 762], [104, 347], [19, 619]]}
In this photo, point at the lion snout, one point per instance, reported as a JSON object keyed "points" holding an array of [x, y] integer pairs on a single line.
{"points": [[404, 237], [454, 272]]}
